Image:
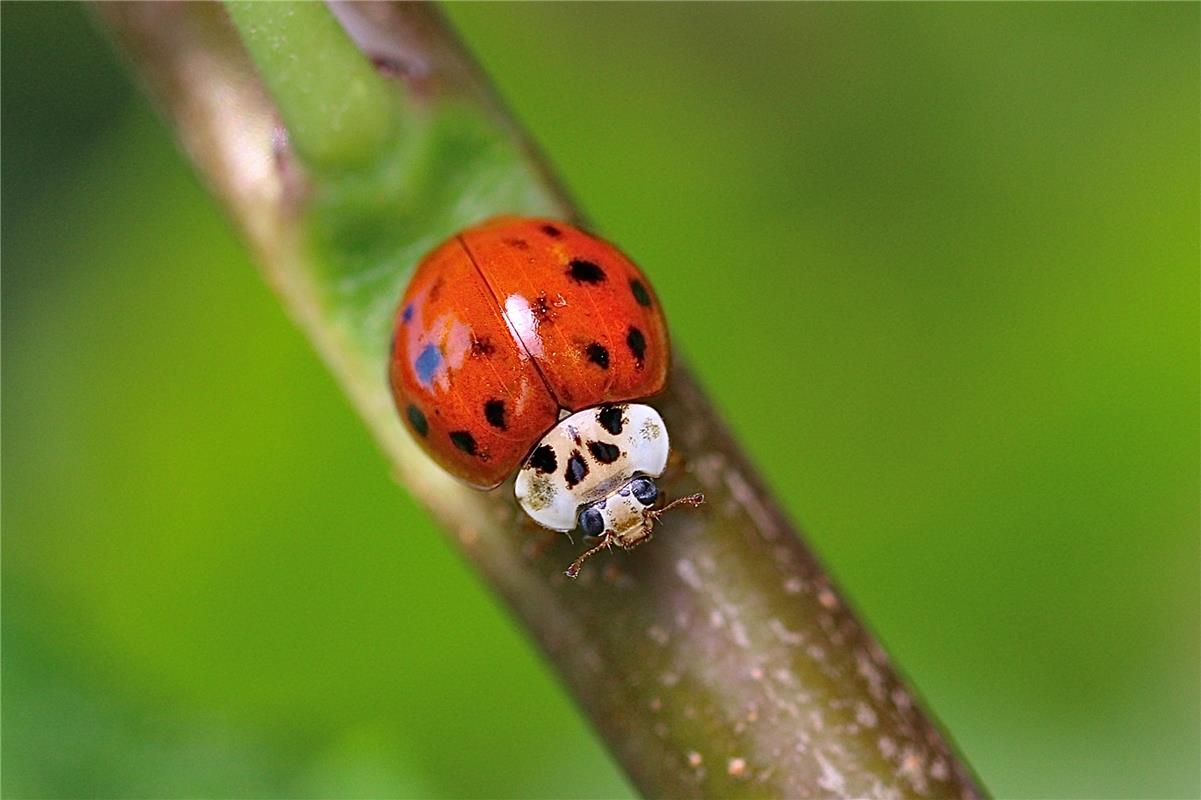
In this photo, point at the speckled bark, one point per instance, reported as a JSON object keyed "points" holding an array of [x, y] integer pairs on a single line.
{"points": [[718, 660]]}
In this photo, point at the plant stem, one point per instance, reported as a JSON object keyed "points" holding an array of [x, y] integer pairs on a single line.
{"points": [[339, 112], [717, 661]]}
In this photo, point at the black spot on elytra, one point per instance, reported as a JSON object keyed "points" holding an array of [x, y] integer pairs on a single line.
{"points": [[481, 346], [610, 419], [417, 420], [577, 469], [494, 412], [519, 244], [464, 441], [543, 459], [542, 309], [598, 355], [407, 314], [582, 271], [637, 343], [640, 293], [551, 230], [604, 452]]}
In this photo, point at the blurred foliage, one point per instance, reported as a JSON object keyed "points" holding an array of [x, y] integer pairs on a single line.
{"points": [[939, 263]]}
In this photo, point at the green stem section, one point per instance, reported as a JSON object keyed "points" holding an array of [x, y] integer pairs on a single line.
{"points": [[717, 661], [339, 112]]}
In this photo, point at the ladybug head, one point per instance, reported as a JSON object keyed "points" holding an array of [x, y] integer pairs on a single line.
{"points": [[596, 470], [624, 517]]}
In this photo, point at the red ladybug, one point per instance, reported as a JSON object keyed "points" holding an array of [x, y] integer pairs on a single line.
{"points": [[521, 342]]}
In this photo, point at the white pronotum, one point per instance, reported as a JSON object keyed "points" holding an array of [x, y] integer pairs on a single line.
{"points": [[589, 456]]}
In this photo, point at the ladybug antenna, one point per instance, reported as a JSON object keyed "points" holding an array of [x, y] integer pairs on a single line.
{"points": [[693, 500], [574, 570]]}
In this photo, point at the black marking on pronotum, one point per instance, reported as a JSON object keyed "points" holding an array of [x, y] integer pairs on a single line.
{"points": [[577, 469], [637, 343], [598, 355], [582, 271], [640, 293], [543, 460], [464, 441], [609, 418], [551, 230], [604, 452], [417, 420], [494, 412]]}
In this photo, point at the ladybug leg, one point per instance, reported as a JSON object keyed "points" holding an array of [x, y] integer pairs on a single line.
{"points": [[574, 569]]}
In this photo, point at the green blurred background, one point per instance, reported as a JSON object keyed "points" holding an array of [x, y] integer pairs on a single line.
{"points": [[938, 263]]}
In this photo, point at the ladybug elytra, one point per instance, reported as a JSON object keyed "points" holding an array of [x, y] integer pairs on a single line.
{"points": [[522, 343]]}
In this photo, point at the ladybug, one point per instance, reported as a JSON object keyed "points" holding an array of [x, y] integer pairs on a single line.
{"points": [[521, 344]]}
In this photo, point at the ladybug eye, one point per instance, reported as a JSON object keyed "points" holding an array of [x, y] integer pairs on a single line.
{"points": [[645, 490], [591, 522]]}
